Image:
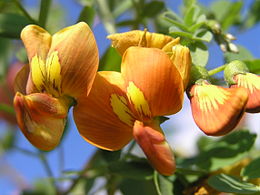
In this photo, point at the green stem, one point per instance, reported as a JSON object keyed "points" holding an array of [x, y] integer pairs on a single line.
{"points": [[106, 16], [129, 149], [82, 173], [25, 13], [44, 12], [27, 152], [7, 108], [46, 166], [155, 179], [217, 70]]}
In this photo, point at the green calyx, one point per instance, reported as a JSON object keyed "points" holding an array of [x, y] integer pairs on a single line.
{"points": [[232, 69], [198, 74]]}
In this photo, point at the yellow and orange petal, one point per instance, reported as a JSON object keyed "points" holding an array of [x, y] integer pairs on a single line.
{"points": [[122, 41], [103, 118], [152, 141], [58, 62], [78, 57], [181, 58], [217, 110], [251, 82], [41, 118], [151, 77], [37, 41]]}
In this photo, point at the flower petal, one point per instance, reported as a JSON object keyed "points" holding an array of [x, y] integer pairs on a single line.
{"points": [[102, 117], [153, 143], [217, 110], [181, 58], [122, 41], [251, 82], [37, 41], [41, 118], [153, 73], [78, 57]]}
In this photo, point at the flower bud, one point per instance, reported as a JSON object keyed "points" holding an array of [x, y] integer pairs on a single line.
{"points": [[217, 110], [153, 143], [41, 118]]}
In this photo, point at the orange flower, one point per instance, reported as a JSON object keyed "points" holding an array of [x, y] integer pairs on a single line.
{"points": [[125, 105], [61, 67], [179, 55], [216, 110], [251, 82]]}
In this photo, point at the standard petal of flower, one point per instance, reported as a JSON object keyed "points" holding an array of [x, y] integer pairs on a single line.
{"points": [[152, 73], [122, 41], [153, 143], [103, 117], [78, 57], [37, 41], [251, 82], [181, 58], [41, 118], [217, 110]]}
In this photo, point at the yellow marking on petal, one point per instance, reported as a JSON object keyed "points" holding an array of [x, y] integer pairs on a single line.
{"points": [[210, 96], [120, 108], [38, 72], [53, 74], [136, 96], [47, 76], [249, 81]]}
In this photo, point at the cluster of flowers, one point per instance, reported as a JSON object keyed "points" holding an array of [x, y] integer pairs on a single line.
{"points": [[112, 108]]}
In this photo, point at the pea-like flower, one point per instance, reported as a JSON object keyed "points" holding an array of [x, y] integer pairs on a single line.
{"points": [[126, 105], [217, 110], [61, 67], [179, 55]]}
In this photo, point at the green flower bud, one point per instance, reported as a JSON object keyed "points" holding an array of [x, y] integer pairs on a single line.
{"points": [[198, 74], [232, 69]]}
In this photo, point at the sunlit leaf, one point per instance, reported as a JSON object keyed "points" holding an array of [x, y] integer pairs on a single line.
{"points": [[87, 15], [231, 184], [111, 60], [199, 53], [253, 65]]}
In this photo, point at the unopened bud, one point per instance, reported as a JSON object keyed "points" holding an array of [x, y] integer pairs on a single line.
{"points": [[223, 47], [230, 37], [233, 48]]}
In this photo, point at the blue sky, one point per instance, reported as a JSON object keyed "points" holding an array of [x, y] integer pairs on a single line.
{"points": [[76, 150]]}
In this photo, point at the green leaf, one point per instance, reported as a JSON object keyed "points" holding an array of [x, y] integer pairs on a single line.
{"points": [[111, 60], [223, 152], [180, 34], [110, 156], [199, 53], [203, 35], [87, 15], [231, 184], [12, 24], [132, 170], [163, 185], [253, 14], [252, 170], [226, 12], [243, 54], [192, 15], [5, 54], [8, 140], [137, 187], [152, 8], [253, 65]]}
